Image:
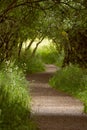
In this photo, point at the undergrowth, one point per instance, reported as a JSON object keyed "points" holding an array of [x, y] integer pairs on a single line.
{"points": [[72, 80], [14, 99], [30, 64], [48, 54]]}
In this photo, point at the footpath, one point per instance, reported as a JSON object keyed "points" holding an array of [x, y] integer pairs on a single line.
{"points": [[52, 109]]}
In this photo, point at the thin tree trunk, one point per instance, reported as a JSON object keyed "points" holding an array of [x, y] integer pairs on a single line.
{"points": [[34, 51], [31, 42], [19, 51]]}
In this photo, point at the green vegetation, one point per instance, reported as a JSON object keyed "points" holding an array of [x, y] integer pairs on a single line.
{"points": [[64, 22], [49, 55], [14, 99], [30, 64], [72, 80]]}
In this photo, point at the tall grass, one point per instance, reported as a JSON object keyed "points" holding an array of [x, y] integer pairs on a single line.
{"points": [[72, 80], [14, 99]]}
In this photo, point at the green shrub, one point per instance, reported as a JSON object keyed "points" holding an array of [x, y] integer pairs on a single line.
{"points": [[30, 64], [50, 55], [73, 80], [14, 99], [35, 65], [60, 58]]}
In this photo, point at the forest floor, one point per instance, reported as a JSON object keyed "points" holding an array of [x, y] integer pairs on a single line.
{"points": [[52, 109]]}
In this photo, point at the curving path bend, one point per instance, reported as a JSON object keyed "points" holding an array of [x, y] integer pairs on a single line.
{"points": [[54, 110]]}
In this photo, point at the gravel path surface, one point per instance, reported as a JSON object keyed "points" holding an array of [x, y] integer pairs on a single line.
{"points": [[54, 110]]}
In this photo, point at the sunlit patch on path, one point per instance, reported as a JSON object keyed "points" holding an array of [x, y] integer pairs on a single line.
{"points": [[54, 110]]}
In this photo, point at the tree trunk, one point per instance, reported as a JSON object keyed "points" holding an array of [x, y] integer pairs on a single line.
{"points": [[19, 51], [31, 42], [34, 51]]}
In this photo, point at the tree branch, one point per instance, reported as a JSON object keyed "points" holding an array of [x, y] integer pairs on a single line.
{"points": [[69, 5]]}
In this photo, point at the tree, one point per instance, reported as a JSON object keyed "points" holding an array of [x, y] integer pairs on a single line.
{"points": [[30, 19], [17, 21], [67, 23]]}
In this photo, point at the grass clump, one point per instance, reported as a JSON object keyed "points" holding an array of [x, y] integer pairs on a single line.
{"points": [[14, 99], [72, 80]]}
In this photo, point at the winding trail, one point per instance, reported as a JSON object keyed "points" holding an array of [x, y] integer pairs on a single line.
{"points": [[54, 110]]}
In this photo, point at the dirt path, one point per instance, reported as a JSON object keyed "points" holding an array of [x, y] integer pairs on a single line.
{"points": [[54, 110]]}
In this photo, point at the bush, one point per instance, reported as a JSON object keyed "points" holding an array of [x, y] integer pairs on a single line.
{"points": [[14, 99], [30, 64], [50, 55], [73, 80]]}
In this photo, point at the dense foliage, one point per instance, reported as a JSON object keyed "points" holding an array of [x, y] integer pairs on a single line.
{"points": [[49, 54], [30, 64], [68, 30], [72, 80], [14, 99], [63, 21]]}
